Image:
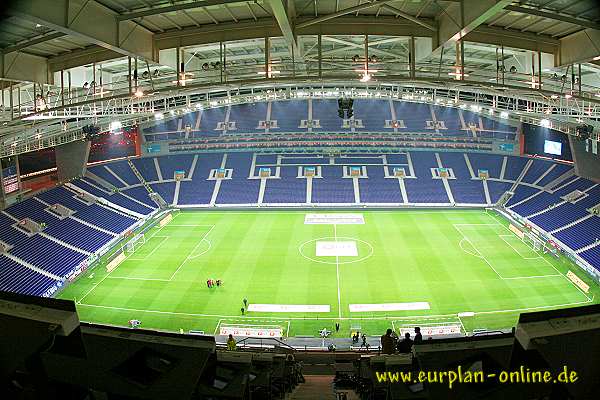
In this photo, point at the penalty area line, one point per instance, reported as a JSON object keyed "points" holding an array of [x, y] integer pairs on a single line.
{"points": [[549, 263], [189, 256]]}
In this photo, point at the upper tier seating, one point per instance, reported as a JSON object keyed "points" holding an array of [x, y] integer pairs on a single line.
{"points": [[244, 119], [147, 168]]}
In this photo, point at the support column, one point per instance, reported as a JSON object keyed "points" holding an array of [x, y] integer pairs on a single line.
{"points": [[319, 48], [411, 56]]}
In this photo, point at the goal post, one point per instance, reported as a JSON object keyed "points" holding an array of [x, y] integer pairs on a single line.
{"points": [[135, 242], [532, 241]]}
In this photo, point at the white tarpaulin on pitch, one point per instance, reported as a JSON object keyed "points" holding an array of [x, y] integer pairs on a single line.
{"points": [[331, 219], [305, 308], [420, 305]]}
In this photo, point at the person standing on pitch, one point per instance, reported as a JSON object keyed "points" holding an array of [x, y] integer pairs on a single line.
{"points": [[242, 310], [245, 301]]}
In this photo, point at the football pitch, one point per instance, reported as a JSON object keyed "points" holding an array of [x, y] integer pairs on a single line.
{"points": [[367, 270]]}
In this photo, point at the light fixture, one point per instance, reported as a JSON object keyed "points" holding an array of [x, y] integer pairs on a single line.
{"points": [[554, 96], [365, 77], [115, 125], [568, 95], [545, 123], [458, 74], [172, 112], [475, 108], [504, 115], [139, 93], [159, 116], [269, 73], [596, 58]]}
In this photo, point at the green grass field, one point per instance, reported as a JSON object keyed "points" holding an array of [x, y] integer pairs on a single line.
{"points": [[456, 260]]}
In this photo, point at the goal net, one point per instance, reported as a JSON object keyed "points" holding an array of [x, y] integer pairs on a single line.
{"points": [[533, 242], [135, 243]]}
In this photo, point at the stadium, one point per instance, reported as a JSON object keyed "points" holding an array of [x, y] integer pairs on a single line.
{"points": [[228, 199]]}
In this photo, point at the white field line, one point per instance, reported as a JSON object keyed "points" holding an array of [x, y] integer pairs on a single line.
{"points": [[477, 250], [462, 325], [192, 252], [106, 276], [165, 238], [490, 264], [190, 225], [517, 251], [460, 244], [532, 276], [337, 272], [204, 252], [189, 257], [392, 318], [349, 210], [218, 326], [138, 279], [547, 262]]}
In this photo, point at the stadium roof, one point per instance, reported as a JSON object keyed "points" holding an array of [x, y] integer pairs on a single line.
{"points": [[62, 45]]}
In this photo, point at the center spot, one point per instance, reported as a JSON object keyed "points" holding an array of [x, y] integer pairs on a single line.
{"points": [[336, 248]]}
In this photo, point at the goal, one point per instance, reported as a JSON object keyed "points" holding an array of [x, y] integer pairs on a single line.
{"points": [[135, 243], [533, 242]]}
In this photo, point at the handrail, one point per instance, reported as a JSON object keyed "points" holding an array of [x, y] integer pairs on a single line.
{"points": [[283, 344]]}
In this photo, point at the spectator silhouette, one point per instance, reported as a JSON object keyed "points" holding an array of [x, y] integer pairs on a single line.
{"points": [[405, 345], [388, 343]]}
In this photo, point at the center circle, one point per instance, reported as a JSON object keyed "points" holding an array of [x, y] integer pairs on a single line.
{"points": [[315, 259]]}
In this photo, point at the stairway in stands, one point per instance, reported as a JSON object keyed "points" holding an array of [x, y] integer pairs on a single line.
{"points": [[157, 198]]}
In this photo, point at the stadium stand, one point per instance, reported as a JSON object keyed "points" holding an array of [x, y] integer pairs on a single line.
{"points": [[17, 278], [538, 196], [287, 189], [372, 113]]}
